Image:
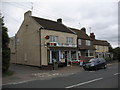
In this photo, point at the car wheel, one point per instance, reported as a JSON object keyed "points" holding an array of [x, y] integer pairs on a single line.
{"points": [[96, 68]]}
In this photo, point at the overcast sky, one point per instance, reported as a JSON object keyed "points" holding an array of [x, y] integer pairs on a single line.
{"points": [[100, 15]]}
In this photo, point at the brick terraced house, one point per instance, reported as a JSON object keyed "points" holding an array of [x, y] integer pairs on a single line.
{"points": [[102, 47]]}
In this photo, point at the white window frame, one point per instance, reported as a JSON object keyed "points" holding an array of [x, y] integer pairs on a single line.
{"points": [[53, 38], [88, 42], [79, 42], [69, 40]]}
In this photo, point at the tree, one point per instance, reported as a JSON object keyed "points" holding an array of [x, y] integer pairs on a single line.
{"points": [[5, 48], [116, 53], [111, 49]]}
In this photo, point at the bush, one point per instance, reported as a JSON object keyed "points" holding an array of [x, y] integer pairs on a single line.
{"points": [[108, 59], [8, 73], [5, 59], [5, 47]]}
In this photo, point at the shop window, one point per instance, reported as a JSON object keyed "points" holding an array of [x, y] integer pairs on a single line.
{"points": [[86, 53], [55, 55], [89, 53], [62, 55], [73, 55]]}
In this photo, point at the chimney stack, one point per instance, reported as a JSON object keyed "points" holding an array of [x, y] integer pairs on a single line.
{"points": [[59, 20], [83, 29], [92, 35], [27, 14]]}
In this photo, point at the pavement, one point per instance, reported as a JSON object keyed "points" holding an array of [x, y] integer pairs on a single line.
{"points": [[102, 78], [24, 73]]}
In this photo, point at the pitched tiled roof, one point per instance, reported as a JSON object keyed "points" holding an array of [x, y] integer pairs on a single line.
{"points": [[52, 25], [100, 42], [81, 34]]}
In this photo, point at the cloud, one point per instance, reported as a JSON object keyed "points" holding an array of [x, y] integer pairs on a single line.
{"points": [[101, 15]]}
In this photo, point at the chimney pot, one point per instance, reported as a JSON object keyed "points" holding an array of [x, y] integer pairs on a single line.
{"points": [[59, 20], [83, 29], [92, 35], [27, 14]]}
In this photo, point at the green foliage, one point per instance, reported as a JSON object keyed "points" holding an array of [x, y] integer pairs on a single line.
{"points": [[108, 59], [8, 73], [5, 37], [111, 49], [116, 53], [5, 48], [5, 59]]}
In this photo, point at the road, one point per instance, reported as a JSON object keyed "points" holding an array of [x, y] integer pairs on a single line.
{"points": [[103, 78]]}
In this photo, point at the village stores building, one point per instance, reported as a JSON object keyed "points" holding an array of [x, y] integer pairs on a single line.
{"points": [[40, 41]]}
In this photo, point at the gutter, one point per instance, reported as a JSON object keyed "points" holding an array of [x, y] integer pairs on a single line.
{"points": [[40, 44]]}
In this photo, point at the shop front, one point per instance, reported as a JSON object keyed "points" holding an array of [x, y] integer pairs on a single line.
{"points": [[64, 56]]}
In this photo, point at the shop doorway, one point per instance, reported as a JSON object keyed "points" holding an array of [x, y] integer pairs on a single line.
{"points": [[67, 58], [55, 56]]}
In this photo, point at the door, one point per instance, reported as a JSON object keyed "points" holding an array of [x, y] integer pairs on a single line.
{"points": [[55, 56]]}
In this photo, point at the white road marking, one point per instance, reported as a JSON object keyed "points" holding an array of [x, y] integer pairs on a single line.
{"points": [[19, 82], [116, 73], [84, 83], [91, 71], [25, 81]]}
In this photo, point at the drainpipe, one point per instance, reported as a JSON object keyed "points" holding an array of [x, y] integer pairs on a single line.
{"points": [[40, 44]]}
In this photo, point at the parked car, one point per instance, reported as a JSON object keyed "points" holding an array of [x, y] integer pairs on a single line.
{"points": [[94, 64]]}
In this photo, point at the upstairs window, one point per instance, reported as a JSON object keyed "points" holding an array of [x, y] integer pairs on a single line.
{"points": [[88, 42], [79, 42], [97, 47], [17, 41], [53, 38], [69, 40]]}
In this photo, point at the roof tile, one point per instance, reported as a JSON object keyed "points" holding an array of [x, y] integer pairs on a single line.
{"points": [[52, 25]]}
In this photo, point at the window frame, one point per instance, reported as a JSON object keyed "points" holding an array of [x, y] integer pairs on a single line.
{"points": [[69, 40], [89, 53], [53, 38], [79, 42], [88, 42]]}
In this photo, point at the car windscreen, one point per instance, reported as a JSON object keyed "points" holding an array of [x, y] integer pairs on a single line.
{"points": [[92, 60]]}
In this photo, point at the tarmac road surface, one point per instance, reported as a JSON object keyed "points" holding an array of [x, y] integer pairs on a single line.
{"points": [[103, 78]]}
